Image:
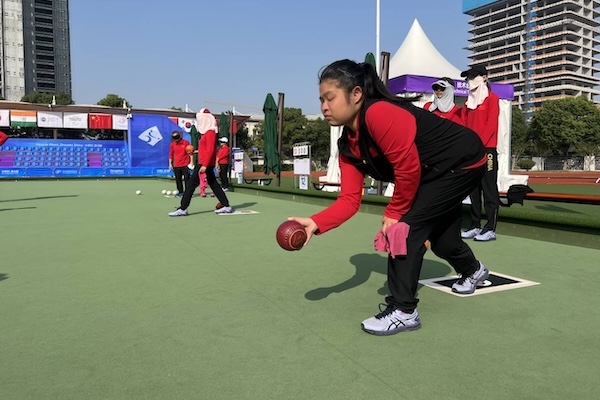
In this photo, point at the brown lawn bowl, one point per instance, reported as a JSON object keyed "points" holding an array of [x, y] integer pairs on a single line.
{"points": [[291, 235]]}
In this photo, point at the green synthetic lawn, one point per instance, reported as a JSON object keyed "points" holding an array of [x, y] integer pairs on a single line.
{"points": [[102, 296]]}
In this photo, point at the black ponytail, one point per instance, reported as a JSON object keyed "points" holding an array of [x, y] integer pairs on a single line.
{"points": [[349, 74]]}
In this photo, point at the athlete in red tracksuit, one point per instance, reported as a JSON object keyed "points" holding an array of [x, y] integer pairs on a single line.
{"points": [[207, 150], [179, 160], [480, 113], [223, 156], [433, 164]]}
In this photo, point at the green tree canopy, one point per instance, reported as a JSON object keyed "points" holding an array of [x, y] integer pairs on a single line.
{"points": [[565, 125], [242, 139], [294, 124], [319, 136], [297, 128], [113, 100], [46, 98]]}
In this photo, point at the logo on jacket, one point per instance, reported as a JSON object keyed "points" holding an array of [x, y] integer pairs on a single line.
{"points": [[151, 136]]}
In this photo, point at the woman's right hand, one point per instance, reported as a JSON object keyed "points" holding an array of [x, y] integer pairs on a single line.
{"points": [[309, 226]]}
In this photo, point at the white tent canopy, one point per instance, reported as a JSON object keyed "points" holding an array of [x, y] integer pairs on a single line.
{"points": [[418, 56]]}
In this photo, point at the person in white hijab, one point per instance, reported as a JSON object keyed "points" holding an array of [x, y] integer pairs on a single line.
{"points": [[207, 151], [443, 100], [480, 113]]}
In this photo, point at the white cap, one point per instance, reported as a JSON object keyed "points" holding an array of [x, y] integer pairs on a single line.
{"points": [[223, 140]]}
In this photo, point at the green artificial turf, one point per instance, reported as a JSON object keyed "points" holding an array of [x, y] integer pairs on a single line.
{"points": [[103, 296]]}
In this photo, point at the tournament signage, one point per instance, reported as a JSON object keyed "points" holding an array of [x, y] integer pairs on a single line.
{"points": [[301, 153], [149, 140], [144, 153]]}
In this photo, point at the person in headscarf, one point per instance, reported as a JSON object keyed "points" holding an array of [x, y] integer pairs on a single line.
{"points": [[443, 101], [480, 113], [207, 151]]}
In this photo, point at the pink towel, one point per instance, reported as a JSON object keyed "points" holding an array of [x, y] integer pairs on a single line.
{"points": [[395, 241]]}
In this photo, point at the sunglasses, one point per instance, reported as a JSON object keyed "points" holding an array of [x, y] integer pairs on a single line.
{"points": [[438, 88]]}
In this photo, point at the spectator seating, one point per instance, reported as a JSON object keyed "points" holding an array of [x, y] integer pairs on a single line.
{"points": [[26, 157]]}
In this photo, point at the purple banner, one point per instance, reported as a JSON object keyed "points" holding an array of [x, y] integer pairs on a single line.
{"points": [[422, 84]]}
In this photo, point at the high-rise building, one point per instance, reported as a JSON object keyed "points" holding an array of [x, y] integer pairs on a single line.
{"points": [[35, 55], [548, 49]]}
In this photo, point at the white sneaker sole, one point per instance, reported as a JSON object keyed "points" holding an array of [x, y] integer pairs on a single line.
{"points": [[392, 331]]}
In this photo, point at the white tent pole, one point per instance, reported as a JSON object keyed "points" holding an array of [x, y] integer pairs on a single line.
{"points": [[377, 31]]}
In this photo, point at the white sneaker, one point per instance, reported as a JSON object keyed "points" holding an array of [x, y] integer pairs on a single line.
{"points": [[178, 213], [485, 236], [224, 210], [391, 321], [467, 284], [225, 189], [470, 233]]}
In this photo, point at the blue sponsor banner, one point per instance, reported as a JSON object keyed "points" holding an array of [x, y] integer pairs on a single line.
{"points": [[91, 172], [162, 172], [116, 172], [38, 172], [11, 172], [149, 140], [57, 144], [65, 172]]}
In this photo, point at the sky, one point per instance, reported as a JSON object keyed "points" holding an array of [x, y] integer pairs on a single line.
{"points": [[225, 54]]}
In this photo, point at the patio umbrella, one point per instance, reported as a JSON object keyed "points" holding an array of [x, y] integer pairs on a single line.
{"points": [[223, 126], [194, 137], [272, 162], [370, 59]]}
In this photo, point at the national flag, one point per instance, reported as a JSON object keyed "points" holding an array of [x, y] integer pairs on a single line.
{"points": [[174, 120], [23, 118], [75, 120], [119, 122], [50, 119], [186, 123], [100, 121], [4, 118]]}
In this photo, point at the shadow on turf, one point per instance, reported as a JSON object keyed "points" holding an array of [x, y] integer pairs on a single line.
{"points": [[552, 208], [19, 208], [40, 198], [365, 265], [3, 277]]}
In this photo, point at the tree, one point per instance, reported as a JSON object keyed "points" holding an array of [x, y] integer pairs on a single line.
{"points": [[294, 124], [519, 141], [242, 139], [296, 129], [47, 98], [560, 125], [176, 108], [113, 100], [588, 144], [318, 134]]}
